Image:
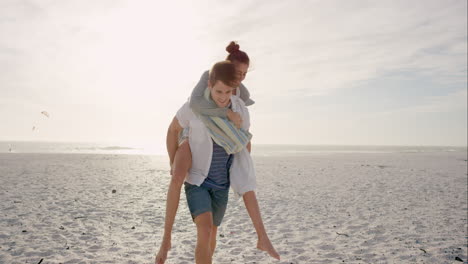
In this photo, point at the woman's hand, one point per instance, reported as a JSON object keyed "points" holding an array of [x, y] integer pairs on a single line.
{"points": [[234, 118]]}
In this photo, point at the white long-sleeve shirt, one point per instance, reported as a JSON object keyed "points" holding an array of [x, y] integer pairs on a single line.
{"points": [[242, 173]]}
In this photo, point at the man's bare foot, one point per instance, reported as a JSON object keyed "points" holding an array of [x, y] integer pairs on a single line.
{"points": [[162, 254], [265, 245]]}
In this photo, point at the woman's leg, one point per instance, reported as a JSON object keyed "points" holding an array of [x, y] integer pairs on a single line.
{"points": [[251, 204], [180, 167], [203, 251]]}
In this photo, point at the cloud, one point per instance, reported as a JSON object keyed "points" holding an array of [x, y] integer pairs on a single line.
{"points": [[450, 103], [314, 47], [124, 52], [304, 47], [440, 104]]}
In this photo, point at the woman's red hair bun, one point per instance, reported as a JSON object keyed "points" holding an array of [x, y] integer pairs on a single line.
{"points": [[232, 47], [236, 55]]}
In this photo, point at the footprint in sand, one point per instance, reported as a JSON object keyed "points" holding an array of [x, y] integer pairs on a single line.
{"points": [[236, 251], [326, 247]]}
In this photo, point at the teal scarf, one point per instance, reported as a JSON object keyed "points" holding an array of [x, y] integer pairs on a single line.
{"points": [[224, 132]]}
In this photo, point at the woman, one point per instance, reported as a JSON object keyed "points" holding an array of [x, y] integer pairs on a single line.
{"points": [[182, 159], [203, 107]]}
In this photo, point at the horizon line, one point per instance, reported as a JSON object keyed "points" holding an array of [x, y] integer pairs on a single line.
{"points": [[259, 144]]}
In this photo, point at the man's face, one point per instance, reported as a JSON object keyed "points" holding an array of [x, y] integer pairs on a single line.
{"points": [[221, 94]]}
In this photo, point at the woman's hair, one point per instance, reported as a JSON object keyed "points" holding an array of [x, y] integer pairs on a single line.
{"points": [[224, 71], [235, 54]]}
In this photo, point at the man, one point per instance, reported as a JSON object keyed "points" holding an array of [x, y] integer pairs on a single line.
{"points": [[219, 160]]}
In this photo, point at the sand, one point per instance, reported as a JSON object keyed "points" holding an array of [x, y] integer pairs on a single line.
{"points": [[320, 208]]}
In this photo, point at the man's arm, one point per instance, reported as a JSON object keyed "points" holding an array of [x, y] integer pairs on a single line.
{"points": [[172, 139]]}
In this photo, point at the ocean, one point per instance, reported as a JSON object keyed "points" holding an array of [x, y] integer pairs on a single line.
{"points": [[257, 149]]}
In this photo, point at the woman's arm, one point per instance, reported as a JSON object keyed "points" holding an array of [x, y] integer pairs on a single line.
{"points": [[245, 95], [200, 105]]}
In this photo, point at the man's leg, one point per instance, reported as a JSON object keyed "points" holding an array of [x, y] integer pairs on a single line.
{"points": [[203, 250], [219, 200], [214, 231], [251, 204], [180, 167]]}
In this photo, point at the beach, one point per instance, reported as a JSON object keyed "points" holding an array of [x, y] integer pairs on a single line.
{"points": [[317, 208]]}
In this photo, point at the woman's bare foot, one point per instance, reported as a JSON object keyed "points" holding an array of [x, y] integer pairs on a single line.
{"points": [[265, 245], [162, 254]]}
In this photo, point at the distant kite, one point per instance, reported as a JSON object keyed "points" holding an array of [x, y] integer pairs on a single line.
{"points": [[44, 113]]}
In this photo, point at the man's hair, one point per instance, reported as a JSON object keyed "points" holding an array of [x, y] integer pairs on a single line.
{"points": [[224, 71]]}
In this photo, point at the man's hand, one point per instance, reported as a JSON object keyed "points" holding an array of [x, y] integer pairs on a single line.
{"points": [[234, 118]]}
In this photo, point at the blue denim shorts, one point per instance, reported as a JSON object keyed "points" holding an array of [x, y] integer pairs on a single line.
{"points": [[202, 199]]}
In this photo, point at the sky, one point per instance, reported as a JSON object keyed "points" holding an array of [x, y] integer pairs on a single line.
{"points": [[322, 72]]}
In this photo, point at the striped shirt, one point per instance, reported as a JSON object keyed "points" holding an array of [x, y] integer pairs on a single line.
{"points": [[218, 176]]}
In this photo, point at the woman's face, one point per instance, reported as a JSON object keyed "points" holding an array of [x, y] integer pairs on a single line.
{"points": [[241, 69]]}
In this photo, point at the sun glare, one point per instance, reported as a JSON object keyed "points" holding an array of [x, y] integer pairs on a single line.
{"points": [[146, 58], [141, 49]]}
